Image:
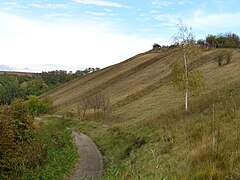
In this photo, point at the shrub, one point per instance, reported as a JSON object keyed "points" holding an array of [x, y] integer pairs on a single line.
{"points": [[228, 56], [225, 55], [33, 104], [44, 105], [20, 113], [37, 107], [219, 59], [19, 149]]}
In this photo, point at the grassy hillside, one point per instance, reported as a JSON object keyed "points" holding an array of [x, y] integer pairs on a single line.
{"points": [[148, 134]]}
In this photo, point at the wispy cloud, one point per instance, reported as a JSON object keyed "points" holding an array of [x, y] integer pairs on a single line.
{"points": [[100, 3], [183, 2], [107, 10], [154, 12], [161, 3], [6, 68], [57, 15], [8, 3], [167, 19], [221, 21], [96, 13], [11, 6], [49, 6]]}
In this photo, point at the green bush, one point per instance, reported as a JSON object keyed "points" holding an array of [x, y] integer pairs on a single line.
{"points": [[61, 153], [37, 106], [19, 147]]}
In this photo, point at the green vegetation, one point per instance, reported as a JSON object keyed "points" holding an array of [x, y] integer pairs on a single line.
{"points": [[222, 40], [9, 88], [21, 86], [60, 152], [137, 119], [20, 148], [202, 144], [37, 107], [147, 134], [183, 78], [31, 150]]}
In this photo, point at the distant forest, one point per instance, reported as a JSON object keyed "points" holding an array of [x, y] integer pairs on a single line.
{"points": [[21, 86], [223, 40]]}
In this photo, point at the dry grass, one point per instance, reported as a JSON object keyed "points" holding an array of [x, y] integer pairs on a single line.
{"points": [[142, 85], [71, 92], [149, 135]]}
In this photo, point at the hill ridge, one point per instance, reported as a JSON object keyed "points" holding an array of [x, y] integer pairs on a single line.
{"points": [[140, 78]]}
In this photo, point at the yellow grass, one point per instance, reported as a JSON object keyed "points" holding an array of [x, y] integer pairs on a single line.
{"points": [[142, 85], [148, 134]]}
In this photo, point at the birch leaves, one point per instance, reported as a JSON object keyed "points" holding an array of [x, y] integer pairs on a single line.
{"points": [[184, 78]]}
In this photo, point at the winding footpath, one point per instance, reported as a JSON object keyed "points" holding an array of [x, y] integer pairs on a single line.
{"points": [[91, 163]]}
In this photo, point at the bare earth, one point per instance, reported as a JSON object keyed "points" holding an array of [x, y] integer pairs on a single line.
{"points": [[91, 163]]}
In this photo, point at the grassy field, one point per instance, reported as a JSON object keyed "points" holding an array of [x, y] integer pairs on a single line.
{"points": [[147, 134]]}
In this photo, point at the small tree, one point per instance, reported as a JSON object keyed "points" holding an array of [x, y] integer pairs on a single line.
{"points": [[83, 106], [183, 78], [37, 106], [211, 40], [224, 56], [229, 55], [98, 103], [201, 42], [219, 59]]}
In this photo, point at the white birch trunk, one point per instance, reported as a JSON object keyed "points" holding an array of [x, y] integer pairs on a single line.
{"points": [[186, 100], [186, 78]]}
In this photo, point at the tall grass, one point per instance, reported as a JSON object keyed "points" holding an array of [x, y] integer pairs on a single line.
{"points": [[201, 144], [61, 153]]}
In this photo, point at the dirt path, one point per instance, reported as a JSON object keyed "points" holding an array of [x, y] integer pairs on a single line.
{"points": [[91, 164], [40, 119]]}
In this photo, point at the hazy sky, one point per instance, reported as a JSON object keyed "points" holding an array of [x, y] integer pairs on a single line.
{"points": [[40, 35]]}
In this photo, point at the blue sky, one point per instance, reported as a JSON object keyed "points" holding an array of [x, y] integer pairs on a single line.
{"points": [[73, 34]]}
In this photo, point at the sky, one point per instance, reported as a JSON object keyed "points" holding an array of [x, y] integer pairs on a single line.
{"points": [[43, 35]]}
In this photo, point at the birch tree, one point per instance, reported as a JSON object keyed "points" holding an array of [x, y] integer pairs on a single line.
{"points": [[183, 77]]}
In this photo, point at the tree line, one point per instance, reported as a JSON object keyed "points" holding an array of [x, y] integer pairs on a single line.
{"points": [[15, 86], [222, 40]]}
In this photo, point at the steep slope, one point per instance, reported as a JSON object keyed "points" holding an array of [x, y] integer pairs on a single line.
{"points": [[148, 135], [95, 82], [143, 83]]}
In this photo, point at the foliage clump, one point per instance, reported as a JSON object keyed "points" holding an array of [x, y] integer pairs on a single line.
{"points": [[37, 106], [222, 40], [99, 103], [185, 79], [21, 86], [224, 57], [19, 149]]}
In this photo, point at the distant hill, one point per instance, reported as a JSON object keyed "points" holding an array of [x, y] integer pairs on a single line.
{"points": [[6, 68], [18, 73]]}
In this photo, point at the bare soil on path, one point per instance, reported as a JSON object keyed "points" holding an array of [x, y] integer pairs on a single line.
{"points": [[91, 163]]}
